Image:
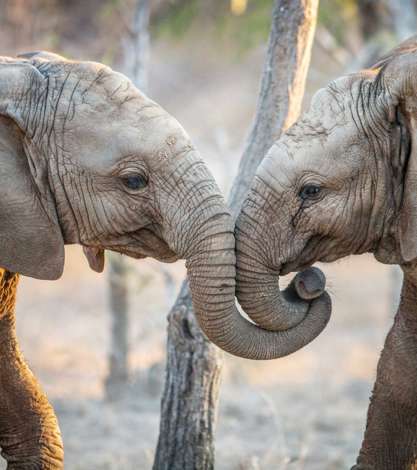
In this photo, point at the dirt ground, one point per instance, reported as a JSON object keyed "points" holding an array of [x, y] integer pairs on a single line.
{"points": [[306, 411]]}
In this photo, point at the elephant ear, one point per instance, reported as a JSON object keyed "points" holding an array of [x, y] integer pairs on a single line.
{"points": [[397, 80], [407, 227], [31, 241]]}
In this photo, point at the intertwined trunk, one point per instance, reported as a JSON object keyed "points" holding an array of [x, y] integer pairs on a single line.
{"points": [[189, 403]]}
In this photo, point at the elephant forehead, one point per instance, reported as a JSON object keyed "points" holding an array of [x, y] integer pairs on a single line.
{"points": [[158, 137], [326, 133], [156, 141], [335, 106], [288, 161], [312, 138]]}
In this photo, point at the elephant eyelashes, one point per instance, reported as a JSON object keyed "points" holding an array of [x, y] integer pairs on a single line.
{"points": [[309, 191], [135, 182]]}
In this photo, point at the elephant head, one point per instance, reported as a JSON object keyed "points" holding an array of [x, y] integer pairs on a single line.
{"points": [[87, 158], [341, 181]]}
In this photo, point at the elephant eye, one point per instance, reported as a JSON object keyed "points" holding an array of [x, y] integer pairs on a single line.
{"points": [[135, 182], [309, 191]]}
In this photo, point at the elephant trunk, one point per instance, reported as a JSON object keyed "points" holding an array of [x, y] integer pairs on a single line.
{"points": [[211, 271], [258, 279]]}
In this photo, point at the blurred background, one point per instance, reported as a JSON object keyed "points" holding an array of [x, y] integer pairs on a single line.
{"points": [[307, 411]]}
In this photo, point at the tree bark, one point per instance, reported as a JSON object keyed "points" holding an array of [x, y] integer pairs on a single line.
{"points": [[137, 46], [118, 374], [135, 66], [190, 398]]}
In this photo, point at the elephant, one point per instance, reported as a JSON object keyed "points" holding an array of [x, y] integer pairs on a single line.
{"points": [[341, 181], [86, 158]]}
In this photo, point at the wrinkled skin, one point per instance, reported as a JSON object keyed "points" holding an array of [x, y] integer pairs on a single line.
{"points": [[342, 181], [87, 158], [29, 440]]}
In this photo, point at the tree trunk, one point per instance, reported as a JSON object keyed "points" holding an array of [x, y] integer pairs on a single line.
{"points": [[189, 402], [137, 46], [118, 374], [135, 66]]}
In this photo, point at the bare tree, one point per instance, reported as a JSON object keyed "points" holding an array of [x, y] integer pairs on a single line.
{"points": [[193, 369], [137, 45], [135, 66]]}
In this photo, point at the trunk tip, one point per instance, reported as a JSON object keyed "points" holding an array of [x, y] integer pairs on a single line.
{"points": [[310, 283]]}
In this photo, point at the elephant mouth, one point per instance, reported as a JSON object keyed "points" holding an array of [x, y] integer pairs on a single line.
{"points": [[146, 242], [166, 257], [138, 244], [293, 266], [306, 258], [312, 252]]}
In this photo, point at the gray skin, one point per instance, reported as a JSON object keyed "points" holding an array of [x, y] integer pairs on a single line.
{"points": [[342, 181], [86, 158]]}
